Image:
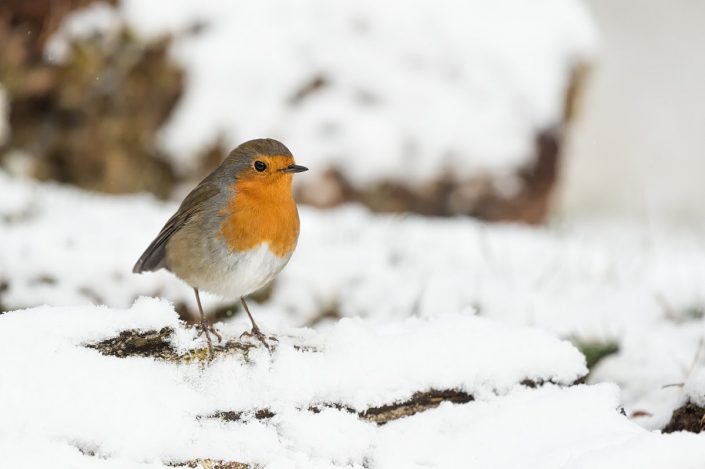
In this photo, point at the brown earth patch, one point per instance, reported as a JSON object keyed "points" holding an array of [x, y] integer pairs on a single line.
{"points": [[689, 418]]}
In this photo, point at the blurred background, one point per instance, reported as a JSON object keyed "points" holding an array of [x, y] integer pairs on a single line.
{"points": [[638, 147], [536, 162], [454, 109], [458, 109]]}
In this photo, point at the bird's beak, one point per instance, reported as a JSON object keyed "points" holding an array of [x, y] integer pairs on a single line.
{"points": [[294, 168]]}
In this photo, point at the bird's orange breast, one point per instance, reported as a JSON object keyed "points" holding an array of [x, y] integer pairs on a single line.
{"points": [[262, 212]]}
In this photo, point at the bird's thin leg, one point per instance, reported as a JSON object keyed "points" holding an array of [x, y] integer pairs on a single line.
{"points": [[256, 332], [255, 329], [205, 327], [205, 324]]}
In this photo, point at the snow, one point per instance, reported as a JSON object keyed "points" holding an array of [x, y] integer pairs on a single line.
{"points": [[598, 281], [411, 90], [519, 430], [652, 366], [584, 280], [695, 387], [142, 409], [63, 246], [396, 304], [60, 398]]}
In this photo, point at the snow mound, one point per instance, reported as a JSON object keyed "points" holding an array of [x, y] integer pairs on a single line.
{"points": [[145, 409], [69, 404], [543, 428], [388, 90]]}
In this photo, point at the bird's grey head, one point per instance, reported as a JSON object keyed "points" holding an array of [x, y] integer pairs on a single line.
{"points": [[263, 157]]}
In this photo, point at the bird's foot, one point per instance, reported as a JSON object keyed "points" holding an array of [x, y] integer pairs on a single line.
{"points": [[207, 329], [257, 333]]}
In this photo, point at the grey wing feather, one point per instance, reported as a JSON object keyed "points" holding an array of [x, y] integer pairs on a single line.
{"points": [[154, 257]]}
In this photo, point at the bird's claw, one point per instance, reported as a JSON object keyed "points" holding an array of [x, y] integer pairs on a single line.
{"points": [[211, 329], [207, 329], [257, 333]]}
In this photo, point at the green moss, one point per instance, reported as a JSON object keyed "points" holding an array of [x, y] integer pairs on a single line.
{"points": [[693, 313], [595, 351]]}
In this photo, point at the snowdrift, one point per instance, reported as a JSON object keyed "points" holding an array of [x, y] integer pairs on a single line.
{"points": [[98, 387]]}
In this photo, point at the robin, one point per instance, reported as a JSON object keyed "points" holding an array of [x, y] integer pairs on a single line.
{"points": [[235, 231]]}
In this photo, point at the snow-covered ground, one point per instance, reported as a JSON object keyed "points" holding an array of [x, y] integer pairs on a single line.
{"points": [[695, 387], [395, 305], [62, 246], [66, 405], [389, 90], [594, 281]]}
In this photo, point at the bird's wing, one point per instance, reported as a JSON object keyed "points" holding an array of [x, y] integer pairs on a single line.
{"points": [[154, 257]]}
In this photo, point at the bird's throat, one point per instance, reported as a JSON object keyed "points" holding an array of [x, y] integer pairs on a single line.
{"points": [[261, 212]]}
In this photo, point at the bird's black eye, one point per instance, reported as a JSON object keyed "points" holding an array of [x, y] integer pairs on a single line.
{"points": [[260, 166]]}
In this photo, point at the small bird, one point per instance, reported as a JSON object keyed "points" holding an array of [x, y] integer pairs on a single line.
{"points": [[235, 231]]}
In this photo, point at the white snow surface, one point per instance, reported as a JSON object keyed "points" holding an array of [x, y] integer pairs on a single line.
{"points": [[659, 368], [66, 405], [412, 90], [695, 387], [595, 280], [63, 246], [142, 410]]}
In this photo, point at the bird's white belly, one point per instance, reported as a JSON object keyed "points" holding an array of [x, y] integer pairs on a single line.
{"points": [[241, 273]]}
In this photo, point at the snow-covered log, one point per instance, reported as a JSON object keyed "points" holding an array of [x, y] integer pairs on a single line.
{"points": [[97, 387]]}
